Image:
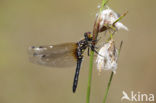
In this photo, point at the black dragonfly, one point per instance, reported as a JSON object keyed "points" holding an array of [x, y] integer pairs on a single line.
{"points": [[62, 55]]}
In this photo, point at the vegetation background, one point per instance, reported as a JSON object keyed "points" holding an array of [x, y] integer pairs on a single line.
{"points": [[36, 22]]}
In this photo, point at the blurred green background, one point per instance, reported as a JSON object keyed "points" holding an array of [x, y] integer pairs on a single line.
{"points": [[43, 22]]}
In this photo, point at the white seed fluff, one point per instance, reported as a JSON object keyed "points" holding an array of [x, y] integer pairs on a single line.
{"points": [[107, 17], [107, 58]]}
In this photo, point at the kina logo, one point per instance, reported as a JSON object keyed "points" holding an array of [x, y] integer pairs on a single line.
{"points": [[137, 96]]}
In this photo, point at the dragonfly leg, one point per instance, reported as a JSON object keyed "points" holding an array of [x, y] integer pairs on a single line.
{"points": [[88, 51], [93, 48]]}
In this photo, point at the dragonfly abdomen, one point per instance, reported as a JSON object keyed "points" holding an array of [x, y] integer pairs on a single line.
{"points": [[77, 74]]}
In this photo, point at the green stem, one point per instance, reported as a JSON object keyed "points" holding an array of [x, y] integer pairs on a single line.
{"points": [[104, 2], [111, 77], [123, 15], [90, 76], [108, 86], [95, 34]]}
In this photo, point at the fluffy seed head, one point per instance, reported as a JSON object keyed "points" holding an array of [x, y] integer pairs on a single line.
{"points": [[107, 58], [107, 17]]}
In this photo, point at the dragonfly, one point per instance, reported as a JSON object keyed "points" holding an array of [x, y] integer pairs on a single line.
{"points": [[63, 55]]}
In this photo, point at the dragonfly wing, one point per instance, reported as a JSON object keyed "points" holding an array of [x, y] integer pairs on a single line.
{"points": [[62, 55]]}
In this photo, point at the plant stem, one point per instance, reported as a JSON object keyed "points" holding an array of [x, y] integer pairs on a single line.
{"points": [[123, 15], [95, 34], [90, 76], [111, 77], [104, 2], [108, 86]]}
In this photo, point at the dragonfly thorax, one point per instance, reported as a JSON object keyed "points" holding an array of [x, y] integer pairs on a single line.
{"points": [[83, 44]]}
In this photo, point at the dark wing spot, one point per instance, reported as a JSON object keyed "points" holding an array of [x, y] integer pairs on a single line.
{"points": [[40, 46], [33, 47], [43, 56]]}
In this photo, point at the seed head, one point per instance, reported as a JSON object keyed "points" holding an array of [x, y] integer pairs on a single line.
{"points": [[107, 58], [106, 18]]}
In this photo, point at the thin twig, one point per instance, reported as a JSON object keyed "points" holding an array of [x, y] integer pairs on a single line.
{"points": [[123, 15], [104, 2], [108, 86], [111, 77], [90, 76], [95, 34]]}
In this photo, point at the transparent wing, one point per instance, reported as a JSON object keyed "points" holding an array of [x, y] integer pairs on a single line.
{"points": [[62, 55]]}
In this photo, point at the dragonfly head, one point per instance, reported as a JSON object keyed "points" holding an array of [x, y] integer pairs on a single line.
{"points": [[88, 36]]}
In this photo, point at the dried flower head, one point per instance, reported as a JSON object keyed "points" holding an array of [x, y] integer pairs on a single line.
{"points": [[107, 58], [106, 18]]}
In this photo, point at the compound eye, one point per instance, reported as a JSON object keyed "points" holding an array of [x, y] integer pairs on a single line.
{"points": [[85, 34], [90, 36]]}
